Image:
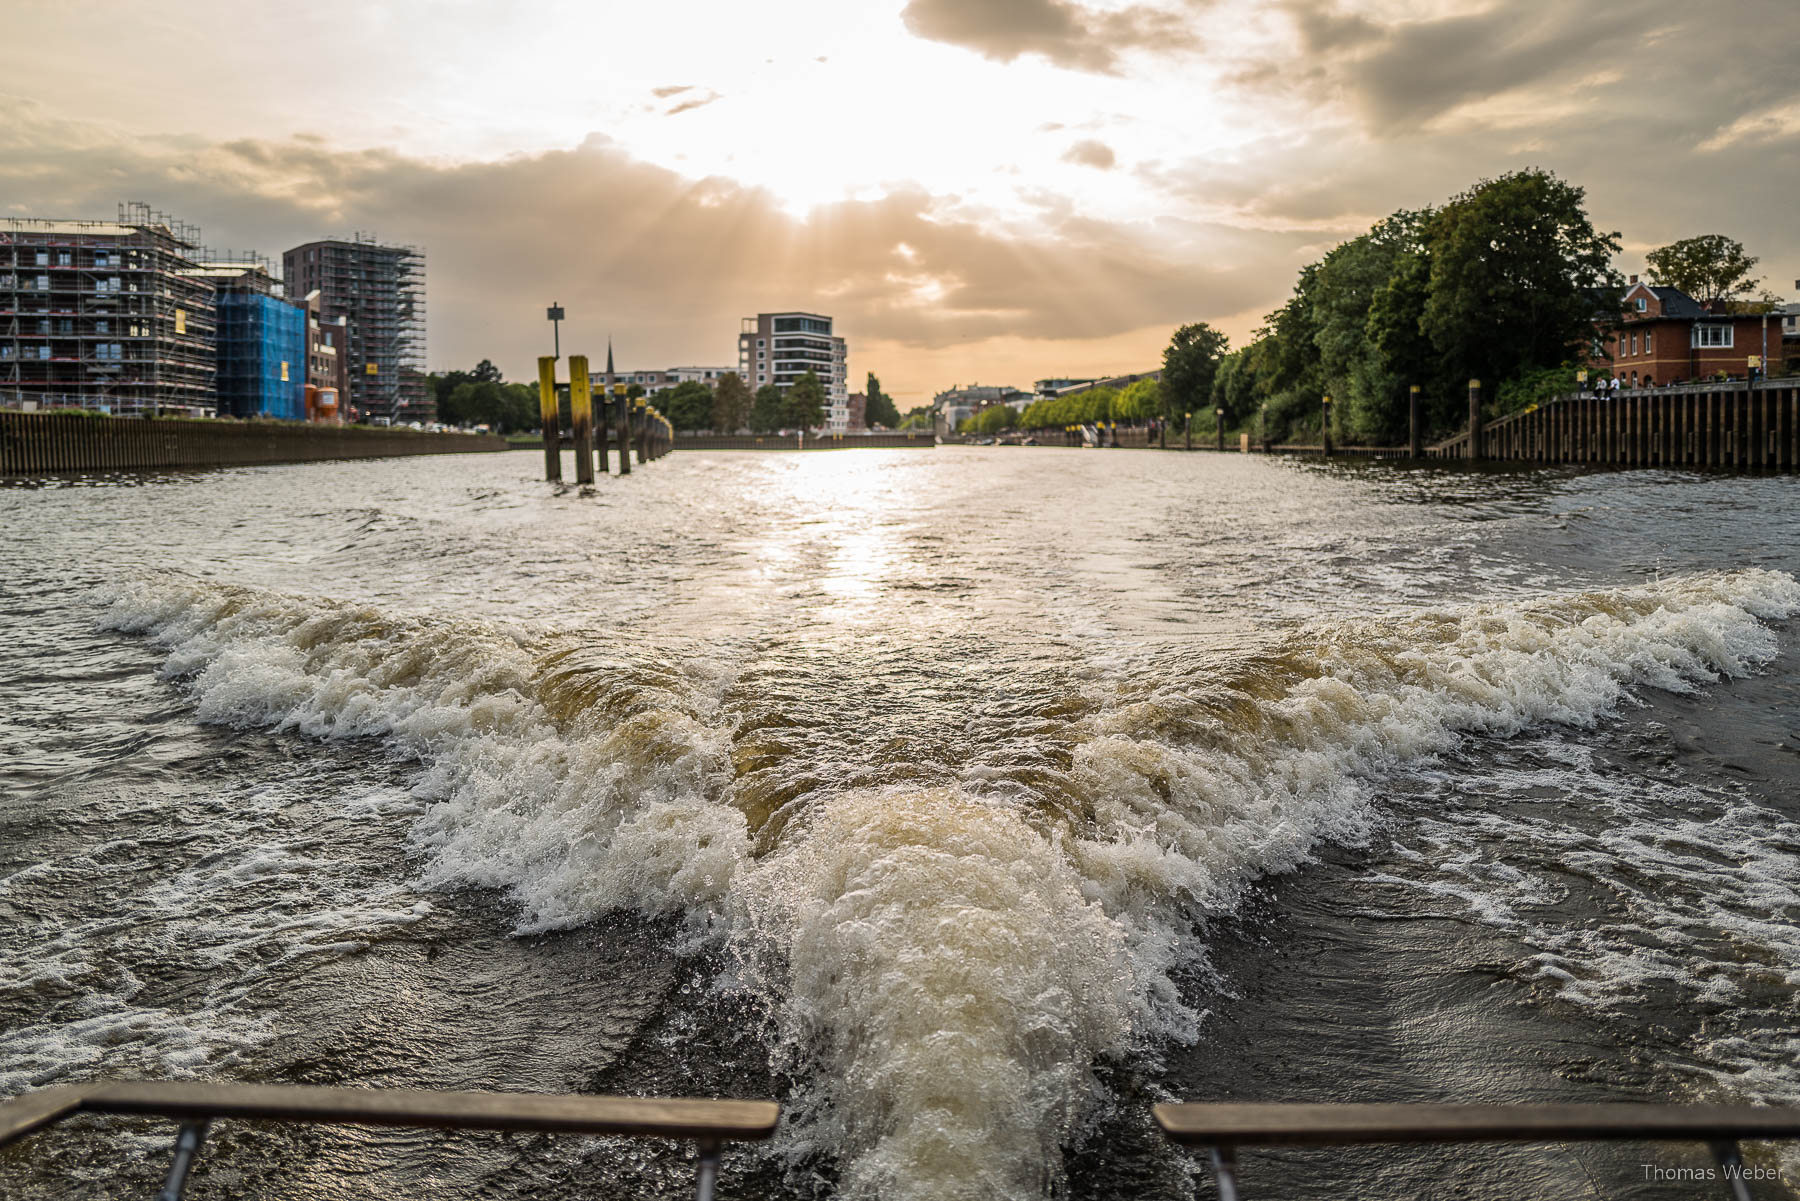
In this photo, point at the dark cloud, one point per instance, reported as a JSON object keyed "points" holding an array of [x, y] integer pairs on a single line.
{"points": [[1680, 63], [667, 264], [1067, 34], [1090, 153]]}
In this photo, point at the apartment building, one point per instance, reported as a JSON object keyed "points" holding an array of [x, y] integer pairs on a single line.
{"points": [[105, 315], [778, 348], [379, 292]]}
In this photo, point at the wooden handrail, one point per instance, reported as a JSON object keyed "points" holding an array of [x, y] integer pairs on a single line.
{"points": [[1326, 1125], [1223, 1128], [708, 1123], [641, 1116]]}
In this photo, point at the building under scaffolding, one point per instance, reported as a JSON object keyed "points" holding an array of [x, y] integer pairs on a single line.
{"points": [[262, 342], [105, 315], [380, 292]]}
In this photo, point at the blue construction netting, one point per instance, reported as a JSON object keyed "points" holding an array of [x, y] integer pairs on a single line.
{"points": [[262, 357]]}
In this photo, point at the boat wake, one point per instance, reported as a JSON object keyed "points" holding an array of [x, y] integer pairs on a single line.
{"points": [[946, 962]]}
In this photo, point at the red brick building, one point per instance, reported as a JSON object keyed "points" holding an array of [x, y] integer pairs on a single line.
{"points": [[1667, 337]]}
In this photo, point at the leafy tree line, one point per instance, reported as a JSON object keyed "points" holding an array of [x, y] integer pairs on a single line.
{"points": [[1503, 283]]}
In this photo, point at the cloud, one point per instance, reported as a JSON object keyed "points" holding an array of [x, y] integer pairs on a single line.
{"points": [[693, 103], [1090, 152], [667, 264], [1400, 74], [663, 93], [1067, 34]]}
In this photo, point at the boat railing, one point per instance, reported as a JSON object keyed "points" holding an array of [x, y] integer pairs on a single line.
{"points": [[708, 1124], [1222, 1128]]}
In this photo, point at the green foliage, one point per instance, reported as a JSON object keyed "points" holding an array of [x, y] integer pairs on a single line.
{"points": [[766, 410], [1189, 364], [917, 419], [1502, 284], [1710, 268], [1536, 387], [730, 404], [1515, 264], [880, 409], [995, 419], [503, 407], [634, 392], [1141, 400], [804, 406], [688, 405]]}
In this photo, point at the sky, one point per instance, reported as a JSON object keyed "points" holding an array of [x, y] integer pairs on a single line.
{"points": [[978, 191]]}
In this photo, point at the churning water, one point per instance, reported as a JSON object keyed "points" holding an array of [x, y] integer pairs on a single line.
{"points": [[968, 801]]}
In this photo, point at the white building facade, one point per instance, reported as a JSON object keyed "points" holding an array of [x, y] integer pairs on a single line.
{"points": [[778, 348]]}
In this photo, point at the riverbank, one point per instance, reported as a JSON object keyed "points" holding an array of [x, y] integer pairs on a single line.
{"points": [[56, 443]]}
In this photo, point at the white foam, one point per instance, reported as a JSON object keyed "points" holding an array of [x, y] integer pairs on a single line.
{"points": [[947, 964]]}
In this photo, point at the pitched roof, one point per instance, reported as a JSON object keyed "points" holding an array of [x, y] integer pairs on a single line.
{"points": [[1676, 303]]}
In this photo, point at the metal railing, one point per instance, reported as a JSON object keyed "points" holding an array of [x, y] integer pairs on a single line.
{"points": [[1223, 1128], [709, 1124]]}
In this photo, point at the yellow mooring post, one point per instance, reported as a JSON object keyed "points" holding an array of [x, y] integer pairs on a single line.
{"points": [[581, 412], [547, 412]]}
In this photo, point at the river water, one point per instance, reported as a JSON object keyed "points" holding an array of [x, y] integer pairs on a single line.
{"points": [[969, 801]]}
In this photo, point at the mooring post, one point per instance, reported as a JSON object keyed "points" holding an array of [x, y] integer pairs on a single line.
{"points": [[1187, 431], [547, 411], [1415, 446], [1325, 422], [624, 434], [1475, 447], [641, 422], [1219, 426], [581, 413], [1162, 433]]}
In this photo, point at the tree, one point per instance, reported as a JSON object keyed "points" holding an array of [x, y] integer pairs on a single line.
{"points": [[1518, 273], [804, 406], [1141, 400], [1189, 364], [1352, 369], [766, 410], [634, 392], [688, 405], [1711, 268], [485, 372], [731, 404], [880, 409], [917, 419]]}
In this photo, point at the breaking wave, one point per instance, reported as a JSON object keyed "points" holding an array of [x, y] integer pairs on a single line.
{"points": [[946, 962]]}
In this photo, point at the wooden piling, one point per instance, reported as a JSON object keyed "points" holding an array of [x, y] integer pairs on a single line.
{"points": [[1475, 428], [581, 415], [547, 413], [1415, 437], [624, 435], [640, 421], [1325, 424]]}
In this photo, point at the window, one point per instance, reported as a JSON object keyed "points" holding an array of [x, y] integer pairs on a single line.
{"points": [[761, 379], [1713, 336], [1642, 304], [1634, 344], [64, 258], [1647, 334], [761, 342]]}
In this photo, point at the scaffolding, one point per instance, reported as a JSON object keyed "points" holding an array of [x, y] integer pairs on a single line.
{"points": [[105, 315], [262, 356], [380, 290]]}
